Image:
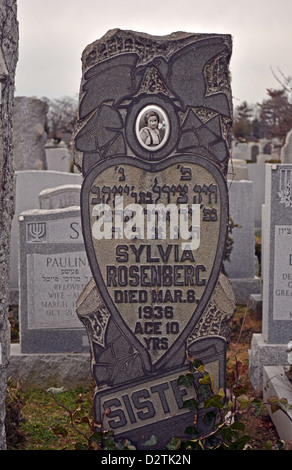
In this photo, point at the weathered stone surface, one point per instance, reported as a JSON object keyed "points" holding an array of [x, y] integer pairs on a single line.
{"points": [[255, 306], [8, 60], [243, 288], [49, 370], [217, 316], [60, 196], [264, 354], [29, 136]]}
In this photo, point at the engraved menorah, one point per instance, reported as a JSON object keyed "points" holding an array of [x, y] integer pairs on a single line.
{"points": [[36, 231]]}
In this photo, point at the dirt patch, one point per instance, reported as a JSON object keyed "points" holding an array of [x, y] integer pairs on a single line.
{"points": [[261, 429]]}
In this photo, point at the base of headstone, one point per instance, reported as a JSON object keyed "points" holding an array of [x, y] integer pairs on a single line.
{"points": [[277, 384], [263, 354], [49, 370], [255, 306], [244, 287]]}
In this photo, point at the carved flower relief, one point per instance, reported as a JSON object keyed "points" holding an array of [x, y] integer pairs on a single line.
{"points": [[205, 137], [216, 75], [286, 196], [103, 133]]}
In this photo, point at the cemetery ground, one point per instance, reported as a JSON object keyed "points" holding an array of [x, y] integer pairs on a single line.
{"points": [[37, 421]]}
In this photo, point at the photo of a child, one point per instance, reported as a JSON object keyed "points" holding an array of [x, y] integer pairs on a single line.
{"points": [[152, 127]]}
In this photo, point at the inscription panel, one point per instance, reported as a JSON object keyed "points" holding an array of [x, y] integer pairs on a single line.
{"points": [[155, 253], [143, 403], [54, 283], [152, 278], [282, 308]]}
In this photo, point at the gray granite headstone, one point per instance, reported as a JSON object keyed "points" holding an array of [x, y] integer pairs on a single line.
{"points": [[277, 275], [254, 152], [53, 272], [270, 347], [152, 140], [257, 174], [241, 263], [240, 267]]}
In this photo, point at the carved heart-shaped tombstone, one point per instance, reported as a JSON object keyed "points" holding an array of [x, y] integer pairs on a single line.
{"points": [[155, 236]]}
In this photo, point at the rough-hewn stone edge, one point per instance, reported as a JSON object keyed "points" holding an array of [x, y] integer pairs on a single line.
{"points": [[147, 46], [9, 55], [49, 370], [106, 46], [263, 354]]}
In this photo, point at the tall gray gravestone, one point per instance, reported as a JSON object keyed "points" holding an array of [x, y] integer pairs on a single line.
{"points": [[152, 141], [270, 347], [277, 289]]}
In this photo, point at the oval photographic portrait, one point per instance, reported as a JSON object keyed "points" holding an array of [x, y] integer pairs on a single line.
{"points": [[152, 127]]}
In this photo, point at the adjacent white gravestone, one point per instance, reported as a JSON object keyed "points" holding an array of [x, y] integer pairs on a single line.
{"points": [[241, 266], [53, 272]]}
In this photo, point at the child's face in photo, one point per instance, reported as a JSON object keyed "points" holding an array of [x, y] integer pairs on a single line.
{"points": [[152, 122]]}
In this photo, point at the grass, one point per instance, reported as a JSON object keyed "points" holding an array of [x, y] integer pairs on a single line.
{"points": [[38, 422], [46, 425]]}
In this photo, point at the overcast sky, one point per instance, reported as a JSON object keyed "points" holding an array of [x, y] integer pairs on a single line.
{"points": [[54, 33]]}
